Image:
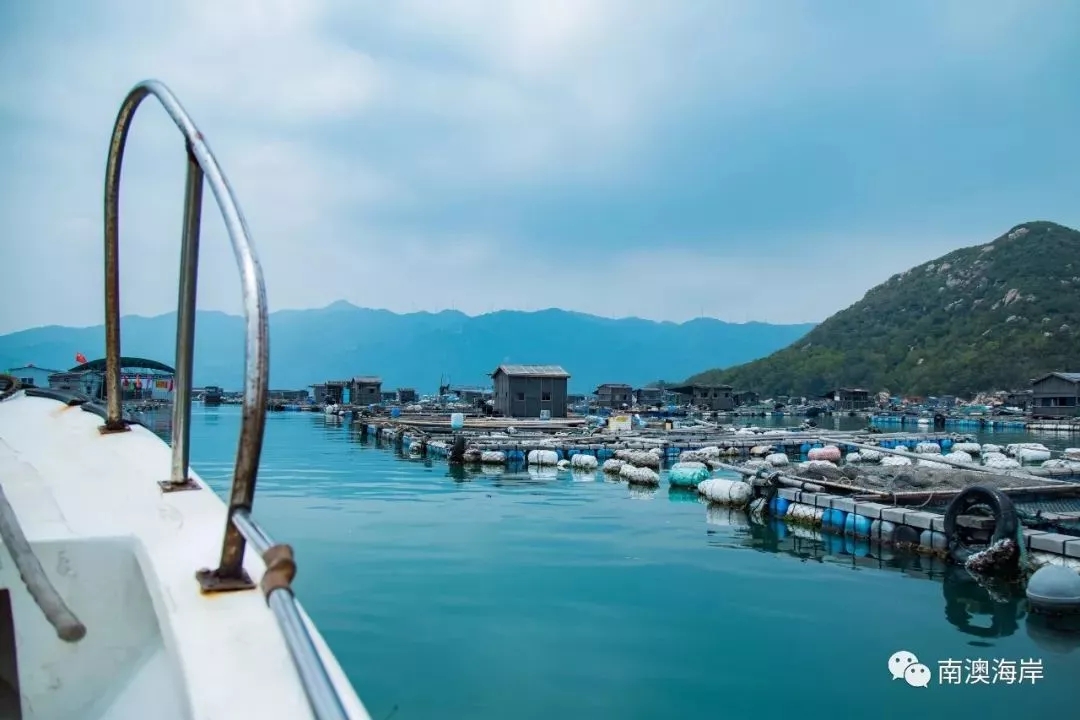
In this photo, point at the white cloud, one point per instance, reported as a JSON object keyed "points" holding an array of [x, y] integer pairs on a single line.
{"points": [[327, 115]]}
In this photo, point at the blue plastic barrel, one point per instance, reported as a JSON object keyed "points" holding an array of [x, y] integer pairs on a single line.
{"points": [[778, 506], [833, 519], [857, 525]]}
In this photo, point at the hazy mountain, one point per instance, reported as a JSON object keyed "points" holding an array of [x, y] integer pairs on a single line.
{"points": [[988, 317], [341, 340]]}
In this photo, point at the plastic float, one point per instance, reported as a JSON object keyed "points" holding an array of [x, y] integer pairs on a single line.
{"points": [[777, 459], [726, 492], [960, 456], [830, 453], [582, 461], [543, 457], [613, 466], [687, 474], [639, 475], [493, 457]]}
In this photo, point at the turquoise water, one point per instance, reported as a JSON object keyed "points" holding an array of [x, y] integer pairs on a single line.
{"points": [[524, 596]]}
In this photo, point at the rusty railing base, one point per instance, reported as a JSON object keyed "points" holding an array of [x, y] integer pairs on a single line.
{"points": [[169, 486], [109, 429], [210, 581]]}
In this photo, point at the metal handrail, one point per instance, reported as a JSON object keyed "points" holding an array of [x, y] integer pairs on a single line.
{"points": [[239, 526]]}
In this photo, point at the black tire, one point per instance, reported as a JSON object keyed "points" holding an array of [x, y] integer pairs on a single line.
{"points": [[1006, 522]]}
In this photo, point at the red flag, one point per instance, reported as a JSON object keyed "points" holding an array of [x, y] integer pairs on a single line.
{"points": [[125, 382], [80, 358], [170, 384], [138, 381]]}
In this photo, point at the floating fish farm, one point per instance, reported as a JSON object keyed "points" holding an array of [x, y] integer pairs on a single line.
{"points": [[1003, 512]]}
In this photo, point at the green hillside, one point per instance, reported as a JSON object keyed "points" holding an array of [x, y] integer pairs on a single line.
{"points": [[980, 318]]}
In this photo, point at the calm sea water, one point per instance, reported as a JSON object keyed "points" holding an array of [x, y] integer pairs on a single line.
{"points": [[524, 596]]}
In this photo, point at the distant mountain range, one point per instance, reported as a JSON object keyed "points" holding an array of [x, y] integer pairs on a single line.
{"points": [[416, 349], [988, 317]]}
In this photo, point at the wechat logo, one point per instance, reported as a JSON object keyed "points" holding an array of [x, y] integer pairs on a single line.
{"points": [[903, 665]]}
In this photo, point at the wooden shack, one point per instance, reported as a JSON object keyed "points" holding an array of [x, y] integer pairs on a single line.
{"points": [[526, 391], [717, 398], [1055, 395], [614, 395]]}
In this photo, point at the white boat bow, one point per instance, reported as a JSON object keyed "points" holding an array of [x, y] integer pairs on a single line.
{"points": [[122, 554], [128, 589]]}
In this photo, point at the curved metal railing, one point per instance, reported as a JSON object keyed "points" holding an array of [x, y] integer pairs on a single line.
{"points": [[239, 526]]}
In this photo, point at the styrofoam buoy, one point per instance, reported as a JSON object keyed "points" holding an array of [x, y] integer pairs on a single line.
{"points": [[639, 475], [727, 492], [777, 459], [1032, 455], [457, 421], [584, 462], [612, 465], [804, 514], [998, 461], [870, 456], [543, 457], [493, 457], [928, 448], [960, 456], [829, 452], [643, 459]]}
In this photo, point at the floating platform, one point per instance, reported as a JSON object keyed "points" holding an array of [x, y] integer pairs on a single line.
{"points": [[1000, 423], [863, 513]]}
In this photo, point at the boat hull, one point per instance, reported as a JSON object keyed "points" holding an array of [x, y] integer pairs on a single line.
{"points": [[123, 556]]}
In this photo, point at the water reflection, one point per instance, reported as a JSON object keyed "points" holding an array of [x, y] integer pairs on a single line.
{"points": [[984, 610], [683, 495], [1055, 635], [642, 492], [981, 609]]}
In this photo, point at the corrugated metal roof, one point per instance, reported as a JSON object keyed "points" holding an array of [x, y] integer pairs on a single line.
{"points": [[1070, 376], [554, 371], [367, 379]]}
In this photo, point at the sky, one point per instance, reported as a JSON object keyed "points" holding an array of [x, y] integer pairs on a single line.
{"points": [[667, 159]]}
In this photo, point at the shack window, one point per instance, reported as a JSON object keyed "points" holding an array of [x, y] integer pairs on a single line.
{"points": [[545, 396], [520, 397]]}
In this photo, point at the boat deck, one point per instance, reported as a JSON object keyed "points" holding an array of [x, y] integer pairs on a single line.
{"points": [[123, 555]]}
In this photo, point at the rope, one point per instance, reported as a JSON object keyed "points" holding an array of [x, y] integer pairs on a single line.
{"points": [[67, 626]]}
